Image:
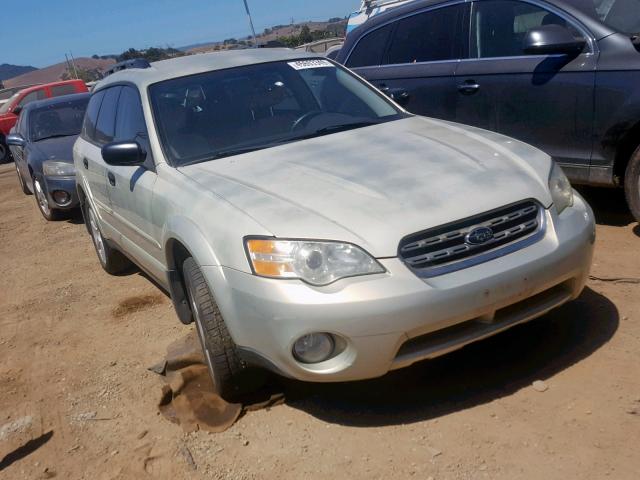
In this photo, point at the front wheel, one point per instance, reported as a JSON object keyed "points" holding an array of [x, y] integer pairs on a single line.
{"points": [[43, 201], [230, 375], [111, 260], [632, 184], [24, 188]]}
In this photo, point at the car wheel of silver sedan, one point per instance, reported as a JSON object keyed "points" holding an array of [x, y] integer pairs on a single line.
{"points": [[230, 375], [111, 260]]}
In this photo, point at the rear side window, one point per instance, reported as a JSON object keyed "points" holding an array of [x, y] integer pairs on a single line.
{"points": [[32, 97], [91, 117], [370, 48], [130, 123], [105, 127], [60, 90], [428, 37]]}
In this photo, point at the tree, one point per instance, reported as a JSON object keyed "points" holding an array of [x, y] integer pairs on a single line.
{"points": [[84, 74], [305, 34]]}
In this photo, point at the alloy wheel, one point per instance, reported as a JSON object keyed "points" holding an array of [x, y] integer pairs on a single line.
{"points": [[41, 197], [97, 237], [19, 176]]}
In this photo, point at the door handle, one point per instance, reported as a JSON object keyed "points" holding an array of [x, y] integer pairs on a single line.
{"points": [[85, 162], [469, 87], [397, 94], [112, 179]]}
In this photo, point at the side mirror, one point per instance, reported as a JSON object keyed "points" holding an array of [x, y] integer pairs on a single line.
{"points": [[16, 140], [17, 110], [128, 153], [552, 39]]}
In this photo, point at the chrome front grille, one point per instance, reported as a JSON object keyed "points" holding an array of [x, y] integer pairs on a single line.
{"points": [[473, 240]]}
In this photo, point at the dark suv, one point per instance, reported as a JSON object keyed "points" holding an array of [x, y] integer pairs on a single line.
{"points": [[563, 75]]}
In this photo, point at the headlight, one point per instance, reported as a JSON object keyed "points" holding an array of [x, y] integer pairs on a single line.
{"points": [[52, 168], [560, 187], [317, 263]]}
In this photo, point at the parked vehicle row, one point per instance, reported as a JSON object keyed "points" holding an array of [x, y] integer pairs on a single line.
{"points": [[42, 145], [312, 227], [11, 109], [561, 75]]}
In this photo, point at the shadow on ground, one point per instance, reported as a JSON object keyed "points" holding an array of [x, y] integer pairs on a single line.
{"points": [[609, 206], [25, 450], [475, 375]]}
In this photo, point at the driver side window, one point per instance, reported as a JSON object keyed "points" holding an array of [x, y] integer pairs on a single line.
{"points": [[498, 27]]}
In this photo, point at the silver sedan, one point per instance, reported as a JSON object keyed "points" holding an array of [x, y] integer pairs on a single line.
{"points": [[311, 226]]}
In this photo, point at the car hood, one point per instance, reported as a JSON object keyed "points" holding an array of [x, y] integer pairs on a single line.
{"points": [[59, 149], [374, 185]]}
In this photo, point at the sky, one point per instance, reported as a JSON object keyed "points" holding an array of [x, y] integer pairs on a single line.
{"points": [[40, 32]]}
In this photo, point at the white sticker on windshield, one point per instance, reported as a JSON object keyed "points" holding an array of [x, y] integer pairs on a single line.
{"points": [[304, 64]]}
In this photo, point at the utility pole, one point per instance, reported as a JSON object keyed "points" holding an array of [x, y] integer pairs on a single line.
{"points": [[69, 68], [73, 62], [253, 30]]}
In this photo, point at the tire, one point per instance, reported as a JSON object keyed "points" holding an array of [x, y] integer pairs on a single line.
{"points": [[632, 184], [112, 261], [231, 376], [42, 201], [24, 188], [5, 153]]}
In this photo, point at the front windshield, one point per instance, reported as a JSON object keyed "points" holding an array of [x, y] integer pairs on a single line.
{"points": [[226, 112], [6, 106], [621, 15], [59, 120]]}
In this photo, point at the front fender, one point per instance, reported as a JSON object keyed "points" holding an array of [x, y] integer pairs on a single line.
{"points": [[182, 237], [185, 231]]}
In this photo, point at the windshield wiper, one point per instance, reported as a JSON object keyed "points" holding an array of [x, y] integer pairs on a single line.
{"points": [[342, 127], [60, 135], [252, 148], [226, 153]]}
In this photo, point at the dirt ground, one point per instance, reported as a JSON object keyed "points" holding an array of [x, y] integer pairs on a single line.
{"points": [[77, 400]]}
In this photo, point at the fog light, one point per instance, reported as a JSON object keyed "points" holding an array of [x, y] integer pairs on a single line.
{"points": [[314, 348], [61, 197]]}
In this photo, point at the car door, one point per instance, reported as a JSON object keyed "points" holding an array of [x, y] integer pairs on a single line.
{"points": [[543, 100], [131, 187], [414, 59], [98, 128]]}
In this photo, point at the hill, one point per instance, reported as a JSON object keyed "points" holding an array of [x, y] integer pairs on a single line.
{"points": [[335, 27], [55, 72], [8, 71]]}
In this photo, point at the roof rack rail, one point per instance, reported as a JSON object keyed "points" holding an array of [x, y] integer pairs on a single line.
{"points": [[368, 4], [128, 64]]}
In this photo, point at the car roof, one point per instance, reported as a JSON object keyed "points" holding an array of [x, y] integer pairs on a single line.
{"points": [[201, 63], [56, 100]]}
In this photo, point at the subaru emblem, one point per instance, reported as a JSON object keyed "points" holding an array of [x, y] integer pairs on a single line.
{"points": [[479, 236]]}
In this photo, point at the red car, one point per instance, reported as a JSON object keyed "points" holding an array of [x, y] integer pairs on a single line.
{"points": [[10, 110]]}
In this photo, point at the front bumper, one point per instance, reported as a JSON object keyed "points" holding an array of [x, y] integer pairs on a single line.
{"points": [[395, 319], [65, 184]]}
